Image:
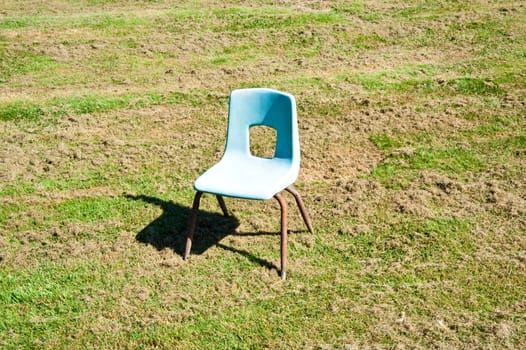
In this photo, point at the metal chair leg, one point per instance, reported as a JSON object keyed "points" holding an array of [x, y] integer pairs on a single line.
{"points": [[222, 204], [191, 224], [283, 205], [303, 211]]}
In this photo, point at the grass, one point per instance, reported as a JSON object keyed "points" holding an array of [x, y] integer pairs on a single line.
{"points": [[96, 21], [21, 110], [423, 79], [473, 86], [22, 63], [91, 103], [411, 120]]}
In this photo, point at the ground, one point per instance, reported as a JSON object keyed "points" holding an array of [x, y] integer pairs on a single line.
{"points": [[413, 139]]}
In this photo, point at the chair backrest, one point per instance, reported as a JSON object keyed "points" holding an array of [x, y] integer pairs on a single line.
{"points": [[267, 107]]}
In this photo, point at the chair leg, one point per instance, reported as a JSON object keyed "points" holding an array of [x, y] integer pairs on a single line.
{"points": [[222, 204], [283, 206], [303, 211], [191, 224]]}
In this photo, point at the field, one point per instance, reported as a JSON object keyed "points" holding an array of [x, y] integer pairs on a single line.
{"points": [[412, 117]]}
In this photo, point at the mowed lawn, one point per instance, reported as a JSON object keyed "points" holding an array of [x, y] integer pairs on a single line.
{"points": [[412, 118]]}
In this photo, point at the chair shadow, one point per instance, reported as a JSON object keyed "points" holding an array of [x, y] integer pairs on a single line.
{"points": [[170, 229]]}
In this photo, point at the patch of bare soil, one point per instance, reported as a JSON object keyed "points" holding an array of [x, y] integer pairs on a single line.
{"points": [[505, 201], [469, 197], [72, 242], [352, 197], [66, 242], [415, 202], [89, 143]]}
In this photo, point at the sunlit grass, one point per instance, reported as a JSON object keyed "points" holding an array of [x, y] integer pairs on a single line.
{"points": [[411, 121]]}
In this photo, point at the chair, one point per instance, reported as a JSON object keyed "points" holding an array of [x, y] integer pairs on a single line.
{"points": [[239, 174]]}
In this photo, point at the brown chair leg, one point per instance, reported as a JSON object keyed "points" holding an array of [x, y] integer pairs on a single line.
{"points": [[303, 211], [283, 206], [222, 204], [191, 224]]}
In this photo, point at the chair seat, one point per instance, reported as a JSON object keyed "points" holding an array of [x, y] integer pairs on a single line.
{"points": [[246, 176]]}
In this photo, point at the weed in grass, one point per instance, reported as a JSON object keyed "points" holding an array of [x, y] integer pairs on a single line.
{"points": [[16, 189], [520, 53], [475, 86], [91, 209], [398, 170], [57, 107], [372, 81], [129, 43], [513, 145], [451, 160], [367, 42], [90, 103], [429, 10], [396, 82], [219, 60], [19, 22], [20, 110], [355, 8], [112, 22], [93, 21], [245, 22], [415, 242], [37, 303], [442, 239], [384, 141], [407, 78], [13, 63], [6, 210], [238, 19], [88, 179], [391, 176], [488, 31]]}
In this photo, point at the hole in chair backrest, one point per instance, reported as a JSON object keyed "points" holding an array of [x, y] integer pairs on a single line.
{"points": [[262, 141]]}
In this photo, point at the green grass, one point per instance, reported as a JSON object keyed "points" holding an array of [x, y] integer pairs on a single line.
{"points": [[23, 62], [20, 110], [422, 79], [62, 106], [411, 122], [45, 300], [384, 141], [91, 103], [104, 21], [398, 169], [368, 41], [239, 22], [407, 78], [241, 19], [430, 9], [19, 188], [356, 8], [474, 86], [90, 209]]}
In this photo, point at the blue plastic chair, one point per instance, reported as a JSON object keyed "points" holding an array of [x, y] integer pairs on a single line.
{"points": [[239, 174]]}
